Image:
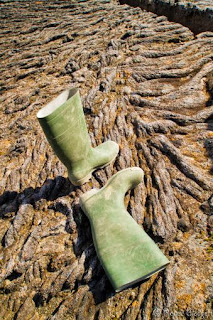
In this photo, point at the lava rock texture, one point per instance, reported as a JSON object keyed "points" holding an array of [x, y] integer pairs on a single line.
{"points": [[195, 14], [145, 83]]}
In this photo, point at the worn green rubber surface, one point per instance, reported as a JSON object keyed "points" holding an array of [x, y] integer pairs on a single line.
{"points": [[64, 125], [126, 252]]}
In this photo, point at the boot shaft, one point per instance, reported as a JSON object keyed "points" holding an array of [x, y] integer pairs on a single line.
{"points": [[63, 123], [125, 251]]}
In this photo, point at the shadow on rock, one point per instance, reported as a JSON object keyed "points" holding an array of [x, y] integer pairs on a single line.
{"points": [[209, 142], [50, 190], [94, 275]]}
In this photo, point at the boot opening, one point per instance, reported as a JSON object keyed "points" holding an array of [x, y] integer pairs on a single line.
{"points": [[56, 103]]}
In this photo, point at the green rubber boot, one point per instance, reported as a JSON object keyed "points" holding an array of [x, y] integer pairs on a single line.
{"points": [[63, 123], [126, 252]]}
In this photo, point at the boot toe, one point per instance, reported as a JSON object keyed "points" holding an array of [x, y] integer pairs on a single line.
{"points": [[108, 151]]}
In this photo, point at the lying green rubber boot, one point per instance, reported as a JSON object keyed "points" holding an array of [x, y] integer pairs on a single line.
{"points": [[63, 123], [126, 252]]}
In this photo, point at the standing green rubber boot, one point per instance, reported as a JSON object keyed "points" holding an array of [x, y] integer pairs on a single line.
{"points": [[63, 123], [126, 252]]}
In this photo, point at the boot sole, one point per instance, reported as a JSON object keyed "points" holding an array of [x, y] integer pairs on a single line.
{"points": [[89, 176]]}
